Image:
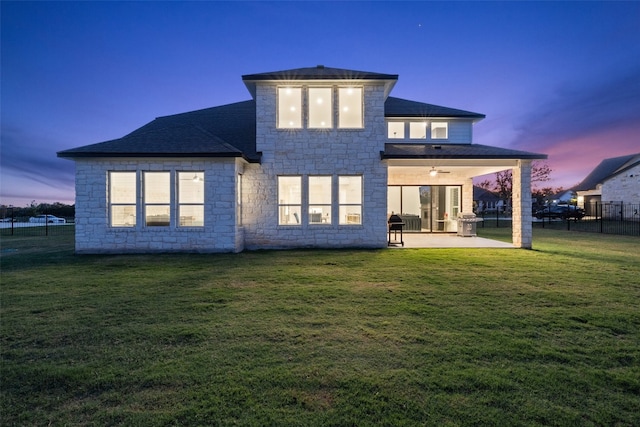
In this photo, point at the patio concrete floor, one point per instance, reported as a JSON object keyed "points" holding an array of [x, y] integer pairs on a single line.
{"points": [[424, 240]]}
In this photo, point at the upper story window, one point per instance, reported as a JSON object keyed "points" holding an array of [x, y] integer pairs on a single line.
{"points": [[289, 107], [320, 107], [439, 130], [418, 130], [395, 130], [317, 104], [350, 107]]}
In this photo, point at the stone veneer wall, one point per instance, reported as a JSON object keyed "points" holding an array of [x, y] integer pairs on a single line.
{"points": [[521, 190], [219, 234], [316, 152], [624, 187]]}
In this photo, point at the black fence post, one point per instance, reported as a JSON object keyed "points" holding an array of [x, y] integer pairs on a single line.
{"points": [[11, 219], [46, 224]]}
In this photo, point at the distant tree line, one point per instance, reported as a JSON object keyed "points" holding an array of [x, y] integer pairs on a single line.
{"points": [[58, 209]]}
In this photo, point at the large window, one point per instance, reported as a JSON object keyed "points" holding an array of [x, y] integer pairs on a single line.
{"points": [[289, 107], [191, 199], [122, 199], [350, 199], [320, 108], [350, 107], [439, 130], [289, 200], [157, 198], [319, 200]]}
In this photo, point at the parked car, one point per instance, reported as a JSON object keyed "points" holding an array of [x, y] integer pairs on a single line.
{"points": [[561, 211], [50, 219]]}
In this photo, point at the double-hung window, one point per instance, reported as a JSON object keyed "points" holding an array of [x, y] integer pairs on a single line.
{"points": [[122, 199], [319, 200], [289, 200], [191, 199], [157, 198], [350, 199]]}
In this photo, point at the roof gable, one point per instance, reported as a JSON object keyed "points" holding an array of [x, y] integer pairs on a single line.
{"points": [[606, 169]]}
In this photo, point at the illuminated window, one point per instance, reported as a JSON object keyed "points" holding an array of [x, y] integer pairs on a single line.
{"points": [[157, 198], [289, 200], [350, 107], [122, 199], [320, 108], [395, 130], [289, 107], [319, 200], [350, 199], [439, 130], [418, 130], [191, 199]]}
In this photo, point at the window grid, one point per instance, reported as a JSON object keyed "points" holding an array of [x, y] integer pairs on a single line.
{"points": [[122, 199], [191, 199]]}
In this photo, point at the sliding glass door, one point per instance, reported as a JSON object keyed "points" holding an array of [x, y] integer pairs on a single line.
{"points": [[425, 208]]}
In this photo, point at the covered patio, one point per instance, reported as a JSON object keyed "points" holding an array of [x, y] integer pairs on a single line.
{"points": [[446, 240], [455, 165]]}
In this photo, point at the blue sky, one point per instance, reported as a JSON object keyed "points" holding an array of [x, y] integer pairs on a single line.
{"points": [[561, 78]]}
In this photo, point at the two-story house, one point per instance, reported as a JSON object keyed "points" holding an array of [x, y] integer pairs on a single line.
{"points": [[319, 157]]}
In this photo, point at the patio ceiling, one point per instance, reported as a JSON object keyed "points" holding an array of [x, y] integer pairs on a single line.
{"points": [[457, 167]]}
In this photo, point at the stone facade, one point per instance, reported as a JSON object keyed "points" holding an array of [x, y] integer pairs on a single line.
{"points": [[95, 235], [305, 152], [623, 187], [241, 201]]}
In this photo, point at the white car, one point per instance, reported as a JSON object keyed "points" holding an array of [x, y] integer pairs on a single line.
{"points": [[50, 219]]}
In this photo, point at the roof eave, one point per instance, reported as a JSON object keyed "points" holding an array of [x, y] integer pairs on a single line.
{"points": [[97, 155]]}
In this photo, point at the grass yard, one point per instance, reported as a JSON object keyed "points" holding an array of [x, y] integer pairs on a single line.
{"points": [[439, 337]]}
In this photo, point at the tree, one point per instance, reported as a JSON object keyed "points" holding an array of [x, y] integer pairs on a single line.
{"points": [[503, 183]]}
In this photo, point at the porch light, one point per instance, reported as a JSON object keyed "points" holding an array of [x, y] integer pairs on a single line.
{"points": [[433, 172]]}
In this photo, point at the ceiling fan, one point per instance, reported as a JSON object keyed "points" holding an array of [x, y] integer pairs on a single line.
{"points": [[434, 171]]}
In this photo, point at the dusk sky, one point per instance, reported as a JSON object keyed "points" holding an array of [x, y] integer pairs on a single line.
{"points": [[561, 78]]}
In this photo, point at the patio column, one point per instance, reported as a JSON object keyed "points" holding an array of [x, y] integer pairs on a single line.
{"points": [[521, 200]]}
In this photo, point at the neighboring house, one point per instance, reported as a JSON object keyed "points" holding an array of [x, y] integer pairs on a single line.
{"points": [[614, 180], [486, 201], [319, 157]]}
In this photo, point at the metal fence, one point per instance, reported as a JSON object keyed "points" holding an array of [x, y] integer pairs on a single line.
{"points": [[607, 218], [26, 229]]}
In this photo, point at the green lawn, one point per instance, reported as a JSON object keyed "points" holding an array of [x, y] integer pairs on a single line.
{"points": [[549, 336]]}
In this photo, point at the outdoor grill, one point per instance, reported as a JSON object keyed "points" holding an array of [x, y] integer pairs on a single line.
{"points": [[396, 224], [467, 224]]}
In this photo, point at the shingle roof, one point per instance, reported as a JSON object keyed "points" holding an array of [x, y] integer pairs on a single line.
{"points": [[319, 72], [454, 151], [397, 107], [606, 169], [225, 131]]}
